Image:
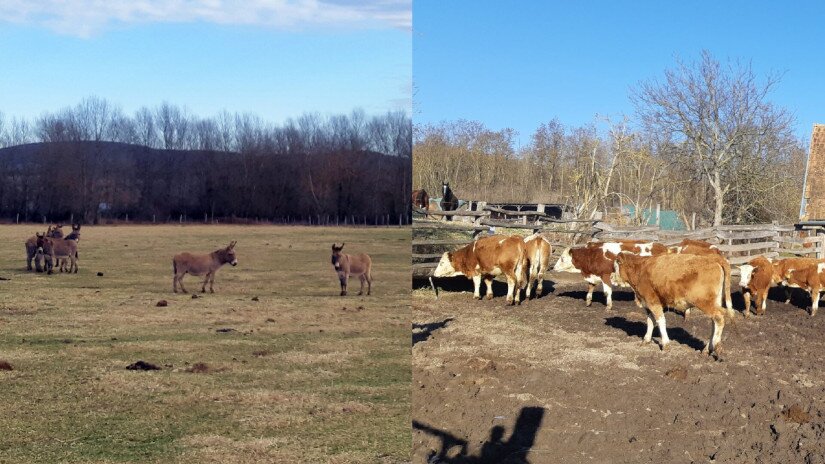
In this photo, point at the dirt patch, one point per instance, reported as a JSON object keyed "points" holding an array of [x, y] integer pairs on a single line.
{"points": [[203, 368], [677, 373], [5, 366], [142, 366], [555, 381], [794, 413]]}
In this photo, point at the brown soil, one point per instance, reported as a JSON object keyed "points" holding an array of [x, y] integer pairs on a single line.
{"points": [[554, 381]]}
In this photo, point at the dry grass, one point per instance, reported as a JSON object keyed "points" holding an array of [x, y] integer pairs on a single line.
{"points": [[297, 380]]}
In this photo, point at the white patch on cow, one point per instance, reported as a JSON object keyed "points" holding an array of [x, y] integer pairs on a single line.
{"points": [[474, 246], [820, 267], [593, 279], [608, 293], [565, 263], [445, 268], [502, 241], [663, 330], [716, 248], [612, 247], [789, 273], [745, 274], [495, 271], [646, 249]]}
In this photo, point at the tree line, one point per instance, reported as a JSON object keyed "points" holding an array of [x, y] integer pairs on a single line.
{"points": [[92, 161], [705, 140]]}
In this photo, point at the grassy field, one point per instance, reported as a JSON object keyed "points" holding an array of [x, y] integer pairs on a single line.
{"points": [[303, 376]]}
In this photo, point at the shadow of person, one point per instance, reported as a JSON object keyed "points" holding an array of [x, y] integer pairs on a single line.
{"points": [[495, 450], [421, 332]]}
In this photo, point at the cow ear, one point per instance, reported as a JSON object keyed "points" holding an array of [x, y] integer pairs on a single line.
{"points": [[609, 255]]}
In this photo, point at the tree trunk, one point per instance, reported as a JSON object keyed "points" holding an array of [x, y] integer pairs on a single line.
{"points": [[719, 195]]}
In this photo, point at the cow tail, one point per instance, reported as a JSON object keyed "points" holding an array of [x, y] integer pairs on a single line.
{"points": [[521, 270], [728, 303], [728, 313]]}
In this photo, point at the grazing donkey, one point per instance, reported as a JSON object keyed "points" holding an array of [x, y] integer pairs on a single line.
{"points": [[198, 265], [60, 251], [357, 265]]}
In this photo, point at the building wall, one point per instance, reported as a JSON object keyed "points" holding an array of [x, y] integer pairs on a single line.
{"points": [[813, 196]]}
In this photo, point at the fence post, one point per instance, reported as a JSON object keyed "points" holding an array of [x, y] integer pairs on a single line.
{"points": [[693, 221], [18, 218]]}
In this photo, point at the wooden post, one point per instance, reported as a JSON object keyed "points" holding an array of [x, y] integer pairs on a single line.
{"points": [[18, 218], [181, 219], [658, 215]]}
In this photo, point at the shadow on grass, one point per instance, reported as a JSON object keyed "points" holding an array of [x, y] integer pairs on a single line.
{"points": [[422, 332], [514, 450], [638, 329]]}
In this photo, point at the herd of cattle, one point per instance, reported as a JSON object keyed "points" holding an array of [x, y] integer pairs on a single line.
{"points": [[692, 274]]}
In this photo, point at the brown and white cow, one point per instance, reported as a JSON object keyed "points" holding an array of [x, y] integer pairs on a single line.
{"points": [[676, 281], [538, 250], [700, 248], [809, 278], [782, 266], [756, 278], [486, 258], [596, 267]]}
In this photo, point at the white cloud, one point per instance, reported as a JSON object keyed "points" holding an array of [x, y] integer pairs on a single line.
{"points": [[84, 18]]}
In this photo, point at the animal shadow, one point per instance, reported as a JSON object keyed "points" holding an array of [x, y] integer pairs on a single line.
{"points": [[598, 296], [638, 329], [496, 449], [422, 332]]}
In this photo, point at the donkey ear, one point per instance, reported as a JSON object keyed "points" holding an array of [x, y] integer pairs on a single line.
{"points": [[342, 246]]}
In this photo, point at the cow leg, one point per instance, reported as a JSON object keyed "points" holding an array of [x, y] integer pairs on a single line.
{"points": [[529, 288], [608, 294], [513, 292], [814, 300], [764, 298], [746, 294], [363, 280], [663, 330], [649, 333], [516, 290], [589, 299], [489, 282], [716, 334], [477, 287]]}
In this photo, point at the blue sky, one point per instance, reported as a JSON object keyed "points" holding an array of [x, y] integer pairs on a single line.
{"points": [[274, 59], [519, 64]]}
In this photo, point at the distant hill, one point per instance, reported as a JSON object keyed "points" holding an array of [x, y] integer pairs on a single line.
{"points": [[109, 180]]}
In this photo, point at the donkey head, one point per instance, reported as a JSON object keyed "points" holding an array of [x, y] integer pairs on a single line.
{"points": [[41, 240], [336, 255], [55, 231], [228, 254], [76, 227]]}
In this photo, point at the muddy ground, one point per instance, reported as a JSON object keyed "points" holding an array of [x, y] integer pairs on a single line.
{"points": [[553, 381]]}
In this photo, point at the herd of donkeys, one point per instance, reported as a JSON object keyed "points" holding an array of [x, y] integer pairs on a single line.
{"points": [[51, 249], [691, 274]]}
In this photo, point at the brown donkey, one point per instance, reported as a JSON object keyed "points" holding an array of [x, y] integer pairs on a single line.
{"points": [[356, 265], [198, 265]]}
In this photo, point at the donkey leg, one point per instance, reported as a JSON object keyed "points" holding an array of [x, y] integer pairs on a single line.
{"points": [[175, 283], [343, 280], [363, 279], [212, 283], [205, 281], [180, 282], [369, 283]]}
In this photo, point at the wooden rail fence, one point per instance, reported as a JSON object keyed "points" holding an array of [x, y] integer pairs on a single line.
{"points": [[739, 243]]}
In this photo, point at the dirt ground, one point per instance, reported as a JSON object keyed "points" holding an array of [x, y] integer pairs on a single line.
{"points": [[554, 381]]}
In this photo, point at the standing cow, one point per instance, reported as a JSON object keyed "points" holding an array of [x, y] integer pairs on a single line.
{"points": [[676, 281], [596, 267], [756, 278], [352, 265], [538, 251], [809, 278], [486, 258]]}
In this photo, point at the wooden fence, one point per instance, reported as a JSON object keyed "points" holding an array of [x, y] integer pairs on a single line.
{"points": [[739, 243]]}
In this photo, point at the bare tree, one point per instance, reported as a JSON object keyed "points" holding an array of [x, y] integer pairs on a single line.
{"points": [[715, 112]]}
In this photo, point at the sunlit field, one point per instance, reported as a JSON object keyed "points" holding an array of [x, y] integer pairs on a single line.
{"points": [[289, 371]]}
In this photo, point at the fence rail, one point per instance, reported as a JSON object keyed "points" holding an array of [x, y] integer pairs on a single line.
{"points": [[739, 243]]}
